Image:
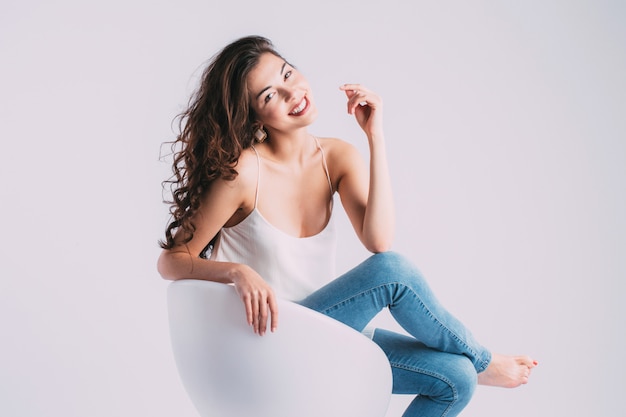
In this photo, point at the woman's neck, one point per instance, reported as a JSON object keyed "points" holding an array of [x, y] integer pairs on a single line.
{"points": [[292, 148]]}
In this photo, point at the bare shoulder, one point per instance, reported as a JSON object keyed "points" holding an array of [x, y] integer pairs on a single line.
{"points": [[244, 184], [238, 193], [247, 169], [341, 155], [344, 161], [338, 149]]}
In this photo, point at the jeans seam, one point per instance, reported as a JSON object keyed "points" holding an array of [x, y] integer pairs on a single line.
{"points": [[352, 297], [440, 377], [436, 319], [482, 365]]}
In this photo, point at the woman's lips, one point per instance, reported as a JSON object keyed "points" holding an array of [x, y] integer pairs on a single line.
{"points": [[301, 108]]}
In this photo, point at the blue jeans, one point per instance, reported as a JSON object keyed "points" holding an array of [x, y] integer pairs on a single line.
{"points": [[439, 362]]}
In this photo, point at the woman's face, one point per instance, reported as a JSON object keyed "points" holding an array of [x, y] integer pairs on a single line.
{"points": [[280, 95]]}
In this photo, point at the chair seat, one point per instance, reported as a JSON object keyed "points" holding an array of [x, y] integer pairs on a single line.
{"points": [[312, 366]]}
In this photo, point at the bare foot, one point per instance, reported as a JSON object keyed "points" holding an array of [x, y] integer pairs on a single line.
{"points": [[507, 371]]}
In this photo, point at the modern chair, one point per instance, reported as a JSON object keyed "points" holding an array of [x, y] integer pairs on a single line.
{"points": [[312, 366]]}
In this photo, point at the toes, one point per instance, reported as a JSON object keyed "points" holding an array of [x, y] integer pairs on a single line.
{"points": [[527, 361]]}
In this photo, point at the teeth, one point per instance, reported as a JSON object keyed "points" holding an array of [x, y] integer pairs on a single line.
{"points": [[300, 107]]}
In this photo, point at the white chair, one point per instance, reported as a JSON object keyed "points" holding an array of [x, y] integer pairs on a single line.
{"points": [[312, 366]]}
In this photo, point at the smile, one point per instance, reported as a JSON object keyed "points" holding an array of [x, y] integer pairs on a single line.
{"points": [[300, 108]]}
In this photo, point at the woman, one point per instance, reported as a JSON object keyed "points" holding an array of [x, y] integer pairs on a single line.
{"points": [[252, 206]]}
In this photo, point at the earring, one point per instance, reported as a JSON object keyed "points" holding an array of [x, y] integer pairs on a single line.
{"points": [[260, 135]]}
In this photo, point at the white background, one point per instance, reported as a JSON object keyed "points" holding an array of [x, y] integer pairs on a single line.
{"points": [[507, 139]]}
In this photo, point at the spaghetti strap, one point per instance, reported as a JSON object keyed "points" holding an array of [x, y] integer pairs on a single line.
{"points": [[258, 176], [330, 183]]}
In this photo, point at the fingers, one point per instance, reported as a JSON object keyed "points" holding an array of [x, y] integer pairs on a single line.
{"points": [[359, 96], [350, 88], [260, 307], [247, 302], [260, 318], [257, 297], [273, 307]]}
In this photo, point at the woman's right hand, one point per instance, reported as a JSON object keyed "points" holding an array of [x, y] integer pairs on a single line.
{"points": [[258, 299]]}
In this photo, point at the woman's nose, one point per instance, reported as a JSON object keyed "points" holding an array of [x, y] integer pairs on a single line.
{"points": [[290, 93]]}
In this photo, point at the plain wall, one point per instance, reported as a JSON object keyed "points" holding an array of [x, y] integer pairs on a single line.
{"points": [[506, 132]]}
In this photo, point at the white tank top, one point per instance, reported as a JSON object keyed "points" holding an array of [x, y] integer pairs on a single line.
{"points": [[294, 267]]}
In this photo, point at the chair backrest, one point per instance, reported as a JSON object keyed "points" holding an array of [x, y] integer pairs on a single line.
{"points": [[312, 366]]}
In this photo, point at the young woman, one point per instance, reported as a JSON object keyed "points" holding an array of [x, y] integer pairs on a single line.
{"points": [[252, 206]]}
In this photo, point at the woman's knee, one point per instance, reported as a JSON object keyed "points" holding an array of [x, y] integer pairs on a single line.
{"points": [[455, 385], [394, 267], [389, 258], [447, 376], [447, 389], [463, 378], [392, 263]]}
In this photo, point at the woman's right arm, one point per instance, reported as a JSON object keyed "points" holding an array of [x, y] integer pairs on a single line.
{"points": [[225, 201]]}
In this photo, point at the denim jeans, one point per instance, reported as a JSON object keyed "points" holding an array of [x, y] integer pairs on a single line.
{"points": [[439, 362]]}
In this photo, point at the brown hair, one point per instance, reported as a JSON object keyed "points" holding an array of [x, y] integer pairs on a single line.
{"points": [[217, 126]]}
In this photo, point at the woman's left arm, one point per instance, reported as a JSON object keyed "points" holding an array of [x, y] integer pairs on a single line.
{"points": [[369, 205]]}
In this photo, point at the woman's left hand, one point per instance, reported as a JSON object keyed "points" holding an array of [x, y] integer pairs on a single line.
{"points": [[367, 108]]}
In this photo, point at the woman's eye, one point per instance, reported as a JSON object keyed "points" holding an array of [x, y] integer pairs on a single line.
{"points": [[269, 97], [287, 74]]}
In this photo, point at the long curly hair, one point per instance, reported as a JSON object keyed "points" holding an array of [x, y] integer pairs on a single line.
{"points": [[216, 127]]}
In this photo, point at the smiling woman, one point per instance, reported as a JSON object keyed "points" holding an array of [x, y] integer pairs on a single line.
{"points": [[252, 205], [288, 92]]}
